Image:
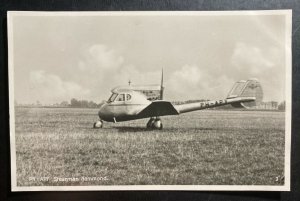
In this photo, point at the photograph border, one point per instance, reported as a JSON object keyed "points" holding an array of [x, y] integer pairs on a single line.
{"points": [[288, 87]]}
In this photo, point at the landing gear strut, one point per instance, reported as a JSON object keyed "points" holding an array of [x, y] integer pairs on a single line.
{"points": [[155, 123], [98, 124]]}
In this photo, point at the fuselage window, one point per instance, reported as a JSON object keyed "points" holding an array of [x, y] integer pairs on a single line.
{"points": [[112, 97], [128, 97], [121, 97]]}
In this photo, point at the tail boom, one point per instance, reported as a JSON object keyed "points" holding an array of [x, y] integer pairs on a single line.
{"points": [[210, 104], [244, 94]]}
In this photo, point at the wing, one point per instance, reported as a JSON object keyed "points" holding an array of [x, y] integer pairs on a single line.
{"points": [[158, 108]]}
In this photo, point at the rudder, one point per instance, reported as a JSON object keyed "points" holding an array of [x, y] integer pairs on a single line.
{"points": [[246, 88]]}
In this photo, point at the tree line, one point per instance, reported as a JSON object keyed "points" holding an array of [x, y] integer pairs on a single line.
{"points": [[84, 103], [76, 104], [90, 104]]}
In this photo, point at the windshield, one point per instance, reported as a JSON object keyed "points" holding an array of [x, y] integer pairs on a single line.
{"points": [[121, 97], [112, 97]]}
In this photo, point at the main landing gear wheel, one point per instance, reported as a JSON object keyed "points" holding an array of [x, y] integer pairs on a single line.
{"points": [[98, 124], [155, 123]]}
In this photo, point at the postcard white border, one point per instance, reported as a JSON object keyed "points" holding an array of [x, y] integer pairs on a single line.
{"points": [[285, 187]]}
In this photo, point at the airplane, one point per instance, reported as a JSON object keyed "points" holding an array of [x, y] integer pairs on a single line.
{"points": [[146, 101]]}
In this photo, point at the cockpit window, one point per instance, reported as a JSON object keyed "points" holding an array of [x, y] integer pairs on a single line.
{"points": [[112, 97], [121, 97], [128, 97]]}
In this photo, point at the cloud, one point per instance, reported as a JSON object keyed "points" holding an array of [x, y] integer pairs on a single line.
{"points": [[97, 66], [100, 58], [130, 72], [192, 82], [102, 68], [184, 79], [267, 64], [251, 59], [50, 88]]}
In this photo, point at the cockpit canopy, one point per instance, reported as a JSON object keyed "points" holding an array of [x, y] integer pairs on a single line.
{"points": [[127, 96], [119, 97]]}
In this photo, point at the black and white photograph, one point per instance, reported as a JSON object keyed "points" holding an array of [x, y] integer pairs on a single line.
{"points": [[150, 100]]}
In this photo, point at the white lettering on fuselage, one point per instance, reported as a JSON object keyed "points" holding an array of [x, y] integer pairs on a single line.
{"points": [[212, 103]]}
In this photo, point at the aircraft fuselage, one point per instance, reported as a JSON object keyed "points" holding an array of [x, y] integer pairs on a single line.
{"points": [[120, 112], [123, 106]]}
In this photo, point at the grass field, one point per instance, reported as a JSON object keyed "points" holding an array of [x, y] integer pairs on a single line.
{"points": [[199, 148]]}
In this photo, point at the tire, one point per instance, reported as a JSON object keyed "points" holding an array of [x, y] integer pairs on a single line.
{"points": [[161, 126], [157, 125], [98, 124], [150, 123]]}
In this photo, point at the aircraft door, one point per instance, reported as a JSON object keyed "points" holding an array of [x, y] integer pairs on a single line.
{"points": [[131, 105]]}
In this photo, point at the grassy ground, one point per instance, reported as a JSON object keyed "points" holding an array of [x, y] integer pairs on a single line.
{"points": [[55, 146]]}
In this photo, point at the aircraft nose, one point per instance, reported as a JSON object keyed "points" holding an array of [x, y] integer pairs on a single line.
{"points": [[100, 112], [104, 112]]}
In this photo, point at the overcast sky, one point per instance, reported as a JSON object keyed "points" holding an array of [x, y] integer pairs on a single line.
{"points": [[57, 58]]}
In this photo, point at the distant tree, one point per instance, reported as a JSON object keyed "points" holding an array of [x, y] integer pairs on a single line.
{"points": [[195, 101], [223, 107], [281, 106], [38, 103], [64, 104], [92, 104], [101, 103], [75, 102], [188, 101], [84, 103]]}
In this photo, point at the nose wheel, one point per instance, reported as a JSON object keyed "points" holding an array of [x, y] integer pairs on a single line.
{"points": [[155, 123], [98, 124]]}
